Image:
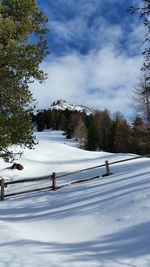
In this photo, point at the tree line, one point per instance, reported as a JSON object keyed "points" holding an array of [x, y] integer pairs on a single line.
{"points": [[98, 131]]}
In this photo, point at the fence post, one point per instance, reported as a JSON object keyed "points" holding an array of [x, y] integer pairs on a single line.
{"points": [[2, 184], [107, 168], [53, 177]]}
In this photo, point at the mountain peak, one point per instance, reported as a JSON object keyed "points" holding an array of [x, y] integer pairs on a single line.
{"points": [[63, 105]]}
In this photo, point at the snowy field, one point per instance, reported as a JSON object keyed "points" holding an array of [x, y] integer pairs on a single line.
{"points": [[101, 223]]}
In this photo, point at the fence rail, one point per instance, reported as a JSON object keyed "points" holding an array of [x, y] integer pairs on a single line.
{"points": [[102, 165], [27, 180], [4, 184], [28, 191], [53, 178]]}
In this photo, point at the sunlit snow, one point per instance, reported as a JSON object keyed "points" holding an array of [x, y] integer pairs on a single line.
{"points": [[101, 223]]}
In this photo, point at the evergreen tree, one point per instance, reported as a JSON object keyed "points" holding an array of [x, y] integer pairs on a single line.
{"points": [[92, 134], [121, 134], [48, 119], [104, 124], [22, 49], [140, 137], [71, 123], [41, 121]]}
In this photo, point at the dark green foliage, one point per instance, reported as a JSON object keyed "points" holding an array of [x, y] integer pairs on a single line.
{"points": [[104, 124], [71, 123], [22, 49], [120, 135], [98, 131], [140, 137], [41, 121], [92, 134]]}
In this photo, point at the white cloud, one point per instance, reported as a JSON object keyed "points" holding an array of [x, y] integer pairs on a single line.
{"points": [[70, 29], [136, 38], [77, 30], [101, 79]]}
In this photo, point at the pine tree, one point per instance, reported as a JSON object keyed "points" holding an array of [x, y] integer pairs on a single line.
{"points": [[121, 134], [92, 134], [104, 124], [22, 48], [140, 137], [41, 121]]}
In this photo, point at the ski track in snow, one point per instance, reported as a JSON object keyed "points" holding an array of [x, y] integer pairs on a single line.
{"points": [[100, 223]]}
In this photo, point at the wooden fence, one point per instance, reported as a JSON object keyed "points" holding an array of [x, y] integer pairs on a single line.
{"points": [[52, 179]]}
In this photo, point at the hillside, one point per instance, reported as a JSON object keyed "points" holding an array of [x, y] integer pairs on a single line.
{"points": [[95, 130], [103, 223]]}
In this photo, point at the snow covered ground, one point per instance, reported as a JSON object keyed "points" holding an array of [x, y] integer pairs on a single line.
{"points": [[100, 223]]}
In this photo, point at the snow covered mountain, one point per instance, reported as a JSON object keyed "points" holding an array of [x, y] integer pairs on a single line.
{"points": [[63, 105]]}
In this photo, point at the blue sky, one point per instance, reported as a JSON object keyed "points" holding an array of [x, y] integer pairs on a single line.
{"points": [[95, 54]]}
